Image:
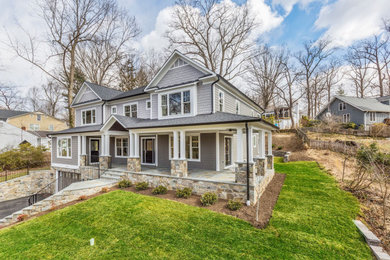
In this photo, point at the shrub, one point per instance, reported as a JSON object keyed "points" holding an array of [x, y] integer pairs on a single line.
{"points": [[22, 217], [160, 190], [280, 148], [209, 198], [350, 125], [105, 190], [141, 186], [82, 197], [22, 156], [124, 183], [234, 205], [184, 193]]}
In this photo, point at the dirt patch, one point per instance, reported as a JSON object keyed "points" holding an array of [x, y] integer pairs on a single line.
{"points": [[287, 142], [248, 213]]}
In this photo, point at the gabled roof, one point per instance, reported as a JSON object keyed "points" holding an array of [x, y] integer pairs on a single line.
{"points": [[5, 114], [40, 133], [365, 104], [130, 93], [79, 129], [104, 93]]}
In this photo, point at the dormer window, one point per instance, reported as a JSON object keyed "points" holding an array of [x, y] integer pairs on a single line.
{"points": [[88, 116], [178, 103], [178, 63]]}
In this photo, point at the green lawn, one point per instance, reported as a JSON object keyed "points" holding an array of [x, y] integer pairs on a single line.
{"points": [[312, 220]]}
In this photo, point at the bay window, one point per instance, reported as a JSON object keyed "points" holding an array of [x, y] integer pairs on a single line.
{"points": [[88, 116], [178, 103], [64, 148], [121, 147], [131, 110]]}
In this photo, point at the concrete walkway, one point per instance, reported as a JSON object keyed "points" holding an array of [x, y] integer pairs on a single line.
{"points": [[89, 184], [10, 206]]}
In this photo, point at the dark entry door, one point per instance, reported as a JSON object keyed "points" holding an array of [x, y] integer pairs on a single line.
{"points": [[148, 153], [95, 144]]}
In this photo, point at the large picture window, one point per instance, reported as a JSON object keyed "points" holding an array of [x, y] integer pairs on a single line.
{"points": [[88, 116], [178, 103], [121, 147], [192, 147], [131, 110], [64, 148]]}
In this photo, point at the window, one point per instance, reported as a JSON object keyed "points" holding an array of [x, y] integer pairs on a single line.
{"points": [[148, 104], [237, 107], [113, 110], [131, 110], [254, 141], [372, 116], [39, 117], [342, 106], [346, 118], [64, 149], [121, 147], [34, 127], [178, 63], [89, 117], [221, 101], [51, 128], [192, 147], [178, 103]]}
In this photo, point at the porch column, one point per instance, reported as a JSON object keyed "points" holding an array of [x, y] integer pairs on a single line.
{"points": [[261, 144], [250, 144], [136, 145], [239, 145], [131, 144], [175, 145], [107, 144], [269, 143], [83, 145], [102, 145], [182, 145]]}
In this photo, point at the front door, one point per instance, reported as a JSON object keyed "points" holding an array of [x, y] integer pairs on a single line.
{"points": [[148, 151], [228, 151], [94, 153]]}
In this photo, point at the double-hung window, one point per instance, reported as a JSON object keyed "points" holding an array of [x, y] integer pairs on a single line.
{"points": [[192, 147], [346, 118], [131, 110], [237, 107], [88, 116], [342, 106], [178, 103], [121, 147], [113, 110], [34, 127], [372, 116], [221, 101], [64, 148]]}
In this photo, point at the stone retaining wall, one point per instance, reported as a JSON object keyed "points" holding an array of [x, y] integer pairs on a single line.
{"points": [[26, 185]]}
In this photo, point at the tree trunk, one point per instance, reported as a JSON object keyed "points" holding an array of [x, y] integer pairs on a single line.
{"points": [[71, 85]]}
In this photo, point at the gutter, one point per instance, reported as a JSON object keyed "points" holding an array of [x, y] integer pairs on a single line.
{"points": [[247, 165], [212, 94]]}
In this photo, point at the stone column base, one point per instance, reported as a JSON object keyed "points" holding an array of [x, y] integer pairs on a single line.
{"points": [[240, 172], [260, 166], [134, 164], [83, 160], [179, 168], [270, 161], [105, 161]]}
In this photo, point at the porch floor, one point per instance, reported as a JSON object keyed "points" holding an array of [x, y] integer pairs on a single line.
{"points": [[223, 176]]}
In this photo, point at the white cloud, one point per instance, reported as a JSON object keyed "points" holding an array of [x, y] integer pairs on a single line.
{"points": [[288, 5], [349, 20]]}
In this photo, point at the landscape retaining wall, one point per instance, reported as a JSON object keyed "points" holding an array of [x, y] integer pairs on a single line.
{"points": [[26, 185]]}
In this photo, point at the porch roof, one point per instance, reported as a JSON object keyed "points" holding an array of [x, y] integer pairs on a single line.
{"points": [[79, 129]]}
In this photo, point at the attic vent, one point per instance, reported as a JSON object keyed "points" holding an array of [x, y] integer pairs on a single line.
{"points": [[178, 63]]}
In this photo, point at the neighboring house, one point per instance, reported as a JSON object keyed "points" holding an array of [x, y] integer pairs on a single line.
{"points": [[361, 111], [188, 122], [22, 126], [282, 116]]}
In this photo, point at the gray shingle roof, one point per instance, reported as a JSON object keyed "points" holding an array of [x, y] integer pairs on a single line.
{"points": [[79, 129], [104, 93], [216, 118], [365, 104], [5, 114], [130, 93], [40, 133]]}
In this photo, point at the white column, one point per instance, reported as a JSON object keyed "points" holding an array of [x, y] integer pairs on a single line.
{"points": [[250, 144], [102, 145], [107, 144], [136, 145], [217, 161], [182, 145], [175, 145], [239, 145], [131, 144], [262, 144], [270, 143], [84, 145]]}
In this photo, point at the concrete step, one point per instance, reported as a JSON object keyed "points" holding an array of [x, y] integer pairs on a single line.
{"points": [[110, 177]]}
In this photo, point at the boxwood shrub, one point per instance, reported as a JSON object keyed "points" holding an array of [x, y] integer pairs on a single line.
{"points": [[234, 205], [184, 193], [209, 198], [124, 183], [141, 185], [160, 190]]}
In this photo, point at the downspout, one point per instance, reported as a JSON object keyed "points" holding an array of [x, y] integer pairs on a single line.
{"points": [[247, 164], [212, 94]]}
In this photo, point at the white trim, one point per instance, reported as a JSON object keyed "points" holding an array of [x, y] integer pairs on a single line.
{"points": [[128, 145], [231, 152], [130, 104], [88, 109], [193, 100], [61, 165], [155, 150], [369, 116], [78, 149], [239, 107], [57, 147], [349, 118], [81, 92], [146, 104], [100, 147], [219, 101], [116, 110], [217, 152], [181, 156]]}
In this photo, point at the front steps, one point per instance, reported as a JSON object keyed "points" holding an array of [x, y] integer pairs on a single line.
{"points": [[112, 175]]}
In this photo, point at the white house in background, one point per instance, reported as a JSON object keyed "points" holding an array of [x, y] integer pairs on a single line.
{"points": [[283, 116]]}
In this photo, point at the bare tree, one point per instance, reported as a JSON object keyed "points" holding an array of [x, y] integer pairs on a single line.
{"points": [[48, 99], [212, 33], [332, 76], [69, 23], [265, 73], [310, 59], [10, 97], [132, 74], [359, 71]]}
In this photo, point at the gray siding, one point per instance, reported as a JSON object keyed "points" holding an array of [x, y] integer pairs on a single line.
{"points": [[75, 156], [98, 114], [154, 100], [204, 99], [141, 106], [356, 115], [180, 75], [230, 103], [379, 117], [114, 159], [207, 153], [88, 95]]}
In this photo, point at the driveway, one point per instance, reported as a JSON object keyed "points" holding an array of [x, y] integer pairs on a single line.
{"points": [[10, 206]]}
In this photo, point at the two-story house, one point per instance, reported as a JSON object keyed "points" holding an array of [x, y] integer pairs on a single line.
{"points": [[187, 123]]}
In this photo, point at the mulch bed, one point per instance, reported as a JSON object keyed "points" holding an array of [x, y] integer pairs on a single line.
{"points": [[248, 213]]}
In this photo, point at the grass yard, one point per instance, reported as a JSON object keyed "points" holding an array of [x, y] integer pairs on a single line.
{"points": [[312, 220]]}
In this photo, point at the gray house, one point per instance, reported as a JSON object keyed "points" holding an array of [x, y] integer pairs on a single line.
{"points": [[361, 111], [188, 127]]}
